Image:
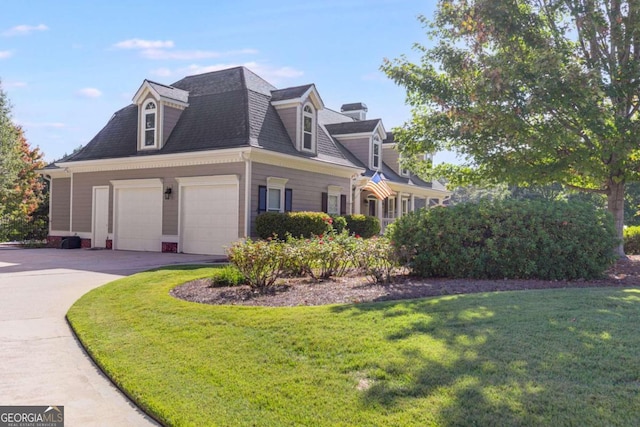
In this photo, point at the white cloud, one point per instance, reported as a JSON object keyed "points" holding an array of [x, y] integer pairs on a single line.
{"points": [[4, 54], [23, 30], [48, 125], [190, 55], [144, 44], [89, 92], [14, 84]]}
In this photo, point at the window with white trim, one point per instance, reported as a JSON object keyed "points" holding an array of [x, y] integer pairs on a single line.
{"points": [[308, 128], [403, 171], [375, 152], [275, 194], [405, 206], [150, 120], [333, 200]]}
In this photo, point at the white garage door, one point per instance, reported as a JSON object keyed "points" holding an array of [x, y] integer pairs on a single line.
{"points": [[208, 216], [138, 219]]}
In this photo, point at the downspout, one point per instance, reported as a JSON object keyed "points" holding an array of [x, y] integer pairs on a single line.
{"points": [[247, 193]]}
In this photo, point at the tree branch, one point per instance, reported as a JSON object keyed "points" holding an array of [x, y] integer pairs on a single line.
{"points": [[587, 190]]}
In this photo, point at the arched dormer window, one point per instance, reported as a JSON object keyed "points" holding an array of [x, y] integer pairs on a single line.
{"points": [[150, 124], [308, 128]]}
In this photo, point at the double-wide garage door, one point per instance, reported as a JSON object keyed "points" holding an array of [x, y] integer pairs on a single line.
{"points": [[207, 219]]}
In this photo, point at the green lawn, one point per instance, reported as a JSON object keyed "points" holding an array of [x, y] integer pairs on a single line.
{"points": [[557, 357]]}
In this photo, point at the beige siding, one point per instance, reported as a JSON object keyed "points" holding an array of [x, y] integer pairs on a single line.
{"points": [[392, 158], [60, 203], [171, 116], [307, 186], [84, 183], [290, 121], [359, 147]]}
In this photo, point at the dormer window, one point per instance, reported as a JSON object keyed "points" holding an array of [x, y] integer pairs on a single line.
{"points": [[150, 124], [308, 128], [375, 152]]}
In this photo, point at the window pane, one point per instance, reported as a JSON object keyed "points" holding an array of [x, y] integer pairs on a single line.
{"points": [[333, 205], [274, 199], [308, 122], [307, 141], [150, 106], [149, 137], [150, 121], [308, 109]]}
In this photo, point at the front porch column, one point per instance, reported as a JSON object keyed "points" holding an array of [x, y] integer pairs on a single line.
{"points": [[412, 207], [355, 208]]}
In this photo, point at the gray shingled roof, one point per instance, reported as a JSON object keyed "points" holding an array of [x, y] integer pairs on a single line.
{"points": [[359, 126], [389, 139], [355, 106], [170, 92], [227, 108], [289, 93]]}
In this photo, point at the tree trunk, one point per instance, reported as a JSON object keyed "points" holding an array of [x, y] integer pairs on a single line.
{"points": [[615, 205]]}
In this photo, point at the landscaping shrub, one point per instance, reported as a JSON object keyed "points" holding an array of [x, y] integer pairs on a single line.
{"points": [[227, 276], [631, 237], [329, 255], [339, 223], [377, 259], [297, 224], [363, 226], [260, 261], [517, 239]]}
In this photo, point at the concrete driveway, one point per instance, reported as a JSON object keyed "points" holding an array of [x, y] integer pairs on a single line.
{"points": [[41, 363]]}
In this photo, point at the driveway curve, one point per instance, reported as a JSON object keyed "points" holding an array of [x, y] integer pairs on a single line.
{"points": [[41, 362]]}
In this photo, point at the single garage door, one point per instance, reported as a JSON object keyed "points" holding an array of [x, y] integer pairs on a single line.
{"points": [[138, 219], [208, 215]]}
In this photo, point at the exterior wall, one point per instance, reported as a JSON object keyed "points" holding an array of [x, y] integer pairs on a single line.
{"points": [[420, 203], [307, 187], [359, 147], [392, 158], [60, 203], [84, 183], [290, 121], [171, 116]]}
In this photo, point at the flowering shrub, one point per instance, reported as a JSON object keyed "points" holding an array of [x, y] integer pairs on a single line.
{"points": [[377, 259], [329, 255], [261, 262]]}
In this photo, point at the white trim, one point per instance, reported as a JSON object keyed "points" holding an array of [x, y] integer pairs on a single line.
{"points": [[311, 93], [70, 203], [136, 183], [276, 182], [314, 128], [170, 238], [142, 126], [248, 172], [334, 191], [94, 213], [140, 94], [372, 145], [298, 128], [207, 180]]}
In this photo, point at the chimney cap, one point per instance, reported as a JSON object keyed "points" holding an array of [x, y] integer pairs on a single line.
{"points": [[356, 106]]}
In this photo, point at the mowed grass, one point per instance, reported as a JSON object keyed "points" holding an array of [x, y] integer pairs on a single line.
{"points": [[557, 357]]}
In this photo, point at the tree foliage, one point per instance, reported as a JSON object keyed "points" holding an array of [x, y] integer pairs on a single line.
{"points": [[529, 92], [22, 190]]}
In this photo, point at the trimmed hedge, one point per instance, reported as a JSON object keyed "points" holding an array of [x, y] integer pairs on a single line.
{"points": [[363, 226], [631, 236], [517, 239], [307, 224], [297, 224]]}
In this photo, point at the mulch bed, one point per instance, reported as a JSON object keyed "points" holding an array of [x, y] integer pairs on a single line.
{"points": [[357, 289]]}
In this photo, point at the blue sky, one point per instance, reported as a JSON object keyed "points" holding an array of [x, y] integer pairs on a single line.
{"points": [[67, 66]]}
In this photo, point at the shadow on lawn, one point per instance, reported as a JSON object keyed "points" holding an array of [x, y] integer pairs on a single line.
{"points": [[510, 358]]}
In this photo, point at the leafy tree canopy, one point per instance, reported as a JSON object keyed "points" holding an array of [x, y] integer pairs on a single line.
{"points": [[529, 92]]}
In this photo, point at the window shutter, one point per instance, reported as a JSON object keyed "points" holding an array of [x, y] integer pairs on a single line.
{"points": [[288, 199], [262, 198], [343, 204], [325, 202]]}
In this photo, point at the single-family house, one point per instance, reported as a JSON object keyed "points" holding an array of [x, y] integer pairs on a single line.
{"points": [[188, 167]]}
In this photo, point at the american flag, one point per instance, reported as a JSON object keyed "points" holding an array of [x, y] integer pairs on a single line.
{"points": [[378, 187]]}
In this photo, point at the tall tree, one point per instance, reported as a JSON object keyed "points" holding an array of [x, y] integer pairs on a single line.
{"points": [[21, 189], [530, 92]]}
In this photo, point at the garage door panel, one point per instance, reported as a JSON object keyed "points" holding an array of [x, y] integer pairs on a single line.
{"points": [[139, 219], [209, 218]]}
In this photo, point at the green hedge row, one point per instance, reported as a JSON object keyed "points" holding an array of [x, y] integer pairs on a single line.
{"points": [[307, 224], [518, 239]]}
